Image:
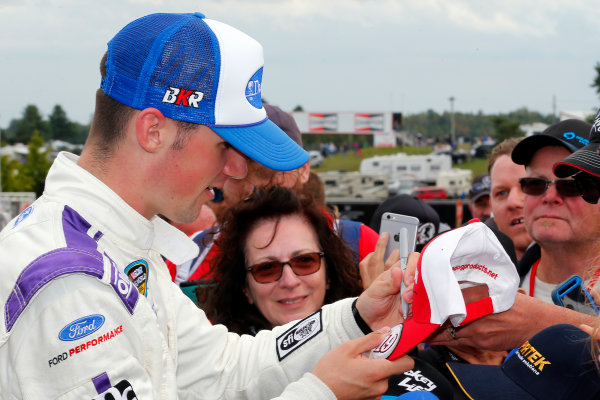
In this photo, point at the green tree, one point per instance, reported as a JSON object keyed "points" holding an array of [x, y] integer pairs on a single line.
{"points": [[31, 121], [36, 168], [9, 134], [59, 126], [506, 128], [11, 178], [81, 133]]}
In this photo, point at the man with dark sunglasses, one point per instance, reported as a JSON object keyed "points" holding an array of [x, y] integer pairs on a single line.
{"points": [[552, 213], [584, 166], [564, 227]]}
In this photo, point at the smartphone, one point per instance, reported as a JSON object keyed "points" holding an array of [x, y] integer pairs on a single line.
{"points": [[571, 293], [403, 233], [403, 236]]}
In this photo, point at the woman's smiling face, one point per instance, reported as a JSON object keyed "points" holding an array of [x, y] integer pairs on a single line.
{"points": [[291, 297]]}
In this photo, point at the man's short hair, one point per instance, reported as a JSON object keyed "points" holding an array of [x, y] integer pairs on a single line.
{"points": [[503, 148], [111, 118]]}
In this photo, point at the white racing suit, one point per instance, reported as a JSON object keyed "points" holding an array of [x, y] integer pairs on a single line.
{"points": [[89, 311]]}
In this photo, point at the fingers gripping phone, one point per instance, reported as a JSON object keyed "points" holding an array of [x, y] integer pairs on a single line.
{"points": [[571, 293], [403, 236]]}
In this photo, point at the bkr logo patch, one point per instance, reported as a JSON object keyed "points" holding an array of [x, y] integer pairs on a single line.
{"points": [[299, 334], [182, 97], [137, 271], [121, 391]]}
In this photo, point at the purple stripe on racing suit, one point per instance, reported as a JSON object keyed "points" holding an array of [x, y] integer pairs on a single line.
{"points": [[101, 382], [79, 257]]}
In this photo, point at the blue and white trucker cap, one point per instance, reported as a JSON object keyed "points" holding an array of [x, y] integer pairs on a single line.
{"points": [[202, 71]]}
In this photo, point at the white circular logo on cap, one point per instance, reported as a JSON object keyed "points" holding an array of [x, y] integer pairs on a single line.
{"points": [[254, 89]]}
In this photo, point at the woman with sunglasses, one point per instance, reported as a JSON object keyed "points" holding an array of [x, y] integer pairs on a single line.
{"points": [[283, 261]]}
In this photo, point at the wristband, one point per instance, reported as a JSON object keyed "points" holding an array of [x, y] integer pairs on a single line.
{"points": [[364, 327]]}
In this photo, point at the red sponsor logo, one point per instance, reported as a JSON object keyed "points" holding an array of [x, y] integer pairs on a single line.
{"points": [[479, 267], [96, 341]]}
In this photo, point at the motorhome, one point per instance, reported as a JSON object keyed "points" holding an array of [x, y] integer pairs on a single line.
{"points": [[354, 185], [456, 181], [403, 167]]}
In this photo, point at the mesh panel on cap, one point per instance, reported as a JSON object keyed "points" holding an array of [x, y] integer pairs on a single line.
{"points": [[163, 51], [131, 46], [191, 68]]}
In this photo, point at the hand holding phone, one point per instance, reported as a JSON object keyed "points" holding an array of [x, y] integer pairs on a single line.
{"points": [[403, 236]]}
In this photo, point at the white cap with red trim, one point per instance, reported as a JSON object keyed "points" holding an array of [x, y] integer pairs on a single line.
{"points": [[467, 256]]}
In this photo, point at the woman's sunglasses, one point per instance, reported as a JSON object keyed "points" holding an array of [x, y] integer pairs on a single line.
{"points": [[271, 271], [538, 186]]}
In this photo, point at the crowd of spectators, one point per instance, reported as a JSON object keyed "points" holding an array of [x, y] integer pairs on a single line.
{"points": [[534, 216]]}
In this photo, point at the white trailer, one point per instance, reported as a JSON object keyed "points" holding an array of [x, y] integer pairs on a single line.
{"points": [[354, 185], [401, 167], [456, 181]]}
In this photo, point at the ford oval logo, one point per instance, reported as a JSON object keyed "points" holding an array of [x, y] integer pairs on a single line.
{"points": [[81, 327]]}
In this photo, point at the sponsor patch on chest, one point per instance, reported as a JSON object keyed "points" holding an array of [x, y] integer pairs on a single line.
{"points": [[299, 334], [137, 271], [81, 327]]}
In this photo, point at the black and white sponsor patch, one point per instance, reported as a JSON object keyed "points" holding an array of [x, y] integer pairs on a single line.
{"points": [[299, 334], [388, 345], [414, 380], [121, 391], [422, 378]]}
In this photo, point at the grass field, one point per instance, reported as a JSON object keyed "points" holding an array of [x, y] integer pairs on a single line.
{"points": [[351, 161]]}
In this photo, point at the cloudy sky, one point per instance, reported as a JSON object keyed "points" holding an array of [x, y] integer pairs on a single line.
{"points": [[330, 55]]}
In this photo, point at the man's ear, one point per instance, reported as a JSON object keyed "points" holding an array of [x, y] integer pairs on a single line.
{"points": [[150, 128], [304, 172]]}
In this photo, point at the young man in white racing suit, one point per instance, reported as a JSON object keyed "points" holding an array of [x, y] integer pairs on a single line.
{"points": [[89, 308]]}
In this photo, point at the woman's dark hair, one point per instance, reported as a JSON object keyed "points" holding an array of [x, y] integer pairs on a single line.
{"points": [[225, 302]]}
